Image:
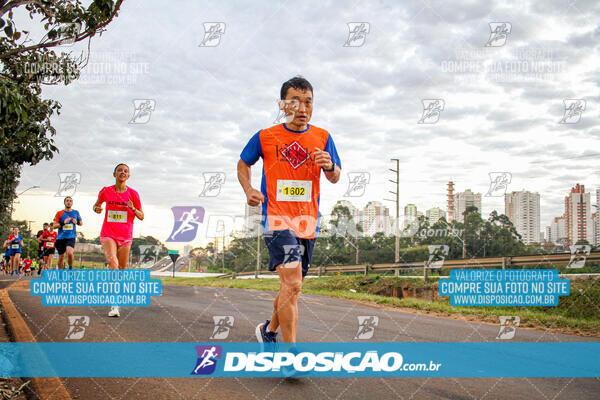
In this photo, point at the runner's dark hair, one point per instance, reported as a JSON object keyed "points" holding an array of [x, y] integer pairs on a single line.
{"points": [[68, 197], [118, 165], [297, 82]]}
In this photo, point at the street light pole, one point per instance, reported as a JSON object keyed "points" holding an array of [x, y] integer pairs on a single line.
{"points": [[18, 194]]}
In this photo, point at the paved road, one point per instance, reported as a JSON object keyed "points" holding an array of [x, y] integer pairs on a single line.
{"points": [[166, 262], [184, 314]]}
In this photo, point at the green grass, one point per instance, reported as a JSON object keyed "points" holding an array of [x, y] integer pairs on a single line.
{"points": [[578, 313]]}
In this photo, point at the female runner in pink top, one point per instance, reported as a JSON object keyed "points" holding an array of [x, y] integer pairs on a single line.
{"points": [[122, 207]]}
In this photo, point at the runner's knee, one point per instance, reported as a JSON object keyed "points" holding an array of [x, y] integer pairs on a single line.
{"points": [[291, 288]]}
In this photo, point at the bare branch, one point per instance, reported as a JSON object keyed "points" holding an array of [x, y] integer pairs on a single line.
{"points": [[7, 6], [55, 43]]}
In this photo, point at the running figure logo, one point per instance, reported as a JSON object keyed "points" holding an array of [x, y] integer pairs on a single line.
{"points": [[292, 253], [69, 32], [223, 324], [357, 33], [186, 222], [499, 32], [432, 109], [207, 359], [283, 107], [68, 183], [498, 183], [142, 110], [573, 110], [357, 183], [366, 326], [212, 34], [66, 33], [148, 253], [213, 181], [579, 253], [77, 325], [437, 255], [508, 327]]}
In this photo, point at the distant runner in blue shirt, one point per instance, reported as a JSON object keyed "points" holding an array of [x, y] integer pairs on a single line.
{"points": [[66, 221], [15, 241]]}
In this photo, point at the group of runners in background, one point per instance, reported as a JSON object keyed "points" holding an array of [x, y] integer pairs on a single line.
{"points": [[123, 206], [295, 154], [59, 235]]}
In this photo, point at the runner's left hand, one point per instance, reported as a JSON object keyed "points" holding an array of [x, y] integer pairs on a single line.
{"points": [[130, 204], [322, 158]]}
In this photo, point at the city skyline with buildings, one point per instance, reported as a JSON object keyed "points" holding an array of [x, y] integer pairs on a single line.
{"points": [[579, 221]]}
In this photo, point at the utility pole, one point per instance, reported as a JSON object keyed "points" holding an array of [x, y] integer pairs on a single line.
{"points": [[357, 248], [464, 246], [397, 200], [223, 251]]}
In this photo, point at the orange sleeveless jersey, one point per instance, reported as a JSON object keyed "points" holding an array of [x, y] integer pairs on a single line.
{"points": [[290, 179]]}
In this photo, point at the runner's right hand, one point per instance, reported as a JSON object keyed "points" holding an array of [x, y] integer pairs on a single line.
{"points": [[97, 209], [254, 197]]}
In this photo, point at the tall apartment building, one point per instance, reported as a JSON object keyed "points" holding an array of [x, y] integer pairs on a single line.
{"points": [[434, 214], [410, 214], [557, 231], [523, 210], [375, 217], [465, 199], [578, 214], [597, 229], [597, 219]]}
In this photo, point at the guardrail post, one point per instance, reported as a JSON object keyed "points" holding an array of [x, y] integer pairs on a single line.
{"points": [[397, 272], [320, 271], [233, 275], [426, 271], [366, 269]]}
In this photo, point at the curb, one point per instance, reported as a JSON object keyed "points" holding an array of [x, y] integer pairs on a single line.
{"points": [[45, 388]]}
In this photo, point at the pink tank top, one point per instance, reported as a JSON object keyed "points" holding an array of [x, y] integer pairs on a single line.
{"points": [[118, 218]]}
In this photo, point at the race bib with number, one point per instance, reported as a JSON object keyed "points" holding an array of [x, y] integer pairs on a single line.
{"points": [[116, 216], [15, 246], [67, 227], [291, 190], [49, 245]]}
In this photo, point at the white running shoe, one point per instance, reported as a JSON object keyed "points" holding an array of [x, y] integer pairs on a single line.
{"points": [[114, 312]]}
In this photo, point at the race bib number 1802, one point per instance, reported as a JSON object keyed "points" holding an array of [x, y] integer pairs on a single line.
{"points": [[292, 190]]}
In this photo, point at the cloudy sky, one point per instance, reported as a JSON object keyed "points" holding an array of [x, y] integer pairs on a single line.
{"points": [[502, 103]]}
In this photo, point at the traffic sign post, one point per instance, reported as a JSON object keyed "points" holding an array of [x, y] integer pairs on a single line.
{"points": [[174, 254]]}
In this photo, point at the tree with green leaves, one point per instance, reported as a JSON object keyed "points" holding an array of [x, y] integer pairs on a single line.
{"points": [[28, 63]]}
